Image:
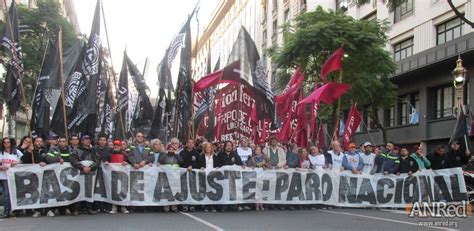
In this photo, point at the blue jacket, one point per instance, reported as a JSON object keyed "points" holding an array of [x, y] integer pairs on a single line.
{"points": [[352, 160], [387, 162]]}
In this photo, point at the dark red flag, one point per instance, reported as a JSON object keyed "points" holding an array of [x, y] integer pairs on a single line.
{"points": [[301, 128], [283, 102], [333, 63], [328, 93], [232, 76], [314, 114], [352, 123]]}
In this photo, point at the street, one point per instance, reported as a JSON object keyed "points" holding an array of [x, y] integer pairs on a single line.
{"points": [[334, 219]]}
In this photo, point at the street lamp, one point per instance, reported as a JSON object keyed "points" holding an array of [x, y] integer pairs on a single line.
{"points": [[459, 74]]}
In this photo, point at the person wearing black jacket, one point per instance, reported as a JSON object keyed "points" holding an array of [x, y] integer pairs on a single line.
{"points": [[438, 158], [457, 157], [407, 164], [101, 149], [228, 156], [190, 161], [37, 155], [86, 160]]}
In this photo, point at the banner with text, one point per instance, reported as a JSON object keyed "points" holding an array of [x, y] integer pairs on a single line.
{"points": [[32, 186]]}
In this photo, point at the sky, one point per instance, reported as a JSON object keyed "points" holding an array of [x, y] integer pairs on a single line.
{"points": [[144, 27]]}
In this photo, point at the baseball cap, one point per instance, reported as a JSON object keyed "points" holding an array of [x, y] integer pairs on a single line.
{"points": [[367, 144], [117, 142], [85, 137], [352, 145]]}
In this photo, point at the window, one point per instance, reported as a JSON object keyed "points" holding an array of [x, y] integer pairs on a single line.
{"points": [[407, 104], [275, 30], [303, 5], [341, 5], [404, 10], [275, 6], [403, 49], [287, 15], [449, 30], [444, 96], [264, 38], [264, 14], [389, 117]]}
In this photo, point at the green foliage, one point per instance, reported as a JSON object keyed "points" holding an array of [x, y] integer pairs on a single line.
{"points": [[37, 25], [313, 38]]}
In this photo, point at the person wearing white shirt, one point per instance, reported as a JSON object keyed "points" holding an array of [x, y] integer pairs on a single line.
{"points": [[368, 157], [336, 155], [317, 160], [9, 157], [244, 151]]}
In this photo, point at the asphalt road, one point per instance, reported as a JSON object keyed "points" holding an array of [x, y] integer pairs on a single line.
{"points": [[334, 219]]}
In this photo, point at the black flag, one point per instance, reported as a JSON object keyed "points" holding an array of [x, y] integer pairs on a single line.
{"points": [[184, 88], [14, 65], [121, 128], [47, 90], [253, 72], [107, 115], [460, 132], [144, 110]]}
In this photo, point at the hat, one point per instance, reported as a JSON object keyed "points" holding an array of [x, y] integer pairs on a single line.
{"points": [[117, 142], [367, 144], [85, 137], [352, 145]]}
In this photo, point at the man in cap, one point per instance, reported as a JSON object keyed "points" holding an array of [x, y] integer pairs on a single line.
{"points": [[457, 156], [86, 161], [351, 160], [368, 157]]}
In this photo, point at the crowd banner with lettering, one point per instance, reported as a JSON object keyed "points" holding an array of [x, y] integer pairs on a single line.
{"points": [[33, 186]]}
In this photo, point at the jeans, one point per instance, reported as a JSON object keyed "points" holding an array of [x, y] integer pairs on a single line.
{"points": [[6, 196]]}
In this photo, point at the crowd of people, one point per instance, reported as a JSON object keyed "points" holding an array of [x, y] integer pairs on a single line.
{"points": [[200, 154]]}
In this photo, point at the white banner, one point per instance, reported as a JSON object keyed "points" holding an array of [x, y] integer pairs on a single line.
{"points": [[33, 186]]}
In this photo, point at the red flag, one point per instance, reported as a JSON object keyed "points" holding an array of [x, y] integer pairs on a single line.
{"points": [[328, 93], [333, 63], [283, 101], [253, 114], [216, 77], [321, 136], [285, 130], [301, 128], [352, 123]]}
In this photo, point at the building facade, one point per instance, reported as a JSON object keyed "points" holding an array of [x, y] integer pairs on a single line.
{"points": [[425, 39]]}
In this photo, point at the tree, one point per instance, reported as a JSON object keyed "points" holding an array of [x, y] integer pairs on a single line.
{"points": [[36, 26], [367, 66]]}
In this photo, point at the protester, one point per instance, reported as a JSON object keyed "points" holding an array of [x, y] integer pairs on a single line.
{"points": [[387, 163], [139, 154], [438, 158], [102, 149], [257, 160], [336, 156], [74, 142], [190, 161], [275, 156], [25, 144], [156, 150], [229, 157], [304, 159], [9, 157], [171, 159], [86, 160], [420, 158], [368, 158], [176, 145], [316, 159], [52, 142], [407, 164], [352, 161], [208, 161], [292, 159], [244, 151], [117, 156], [457, 157]]}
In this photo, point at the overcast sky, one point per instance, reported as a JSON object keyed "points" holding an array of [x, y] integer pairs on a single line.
{"points": [[145, 27]]}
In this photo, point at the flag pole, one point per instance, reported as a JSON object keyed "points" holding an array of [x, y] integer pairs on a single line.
{"points": [[112, 64], [338, 109], [61, 77], [22, 89]]}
